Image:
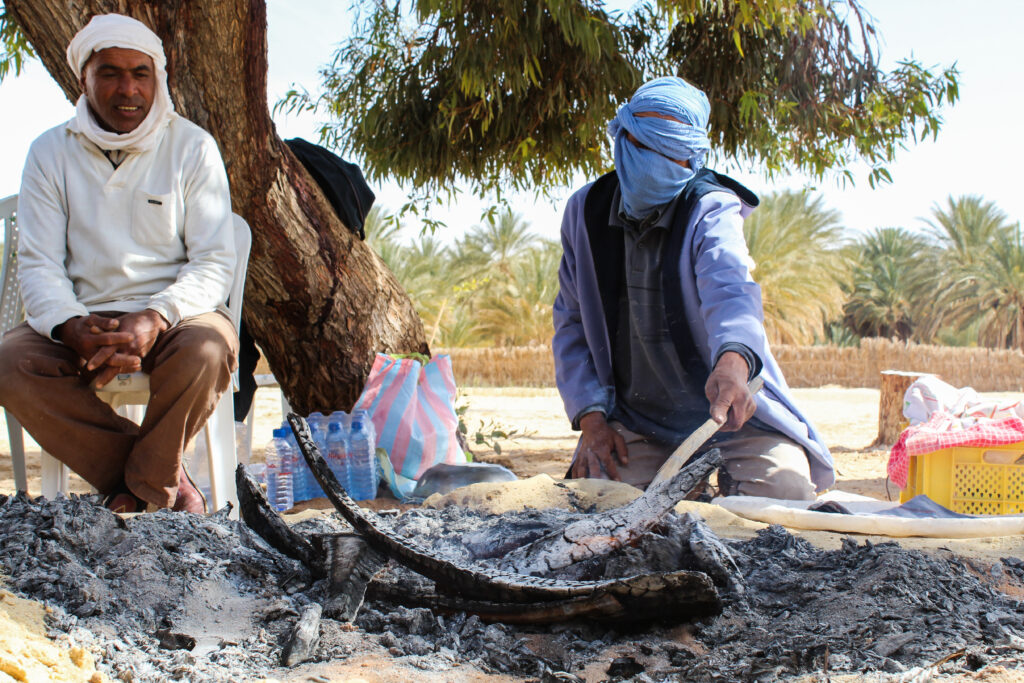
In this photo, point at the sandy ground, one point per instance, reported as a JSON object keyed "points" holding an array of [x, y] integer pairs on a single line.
{"points": [[847, 417], [26, 654], [544, 442]]}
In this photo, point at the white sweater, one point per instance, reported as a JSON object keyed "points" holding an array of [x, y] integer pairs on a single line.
{"points": [[154, 233]]}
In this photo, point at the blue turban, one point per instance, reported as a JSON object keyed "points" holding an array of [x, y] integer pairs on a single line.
{"points": [[650, 178]]}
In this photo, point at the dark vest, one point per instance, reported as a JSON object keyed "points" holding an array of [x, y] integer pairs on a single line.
{"points": [[607, 246]]}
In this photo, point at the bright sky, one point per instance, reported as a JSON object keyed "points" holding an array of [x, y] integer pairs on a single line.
{"points": [[976, 153]]}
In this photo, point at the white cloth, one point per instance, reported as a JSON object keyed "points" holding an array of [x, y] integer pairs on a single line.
{"points": [[930, 395], [116, 30], [154, 233], [865, 518]]}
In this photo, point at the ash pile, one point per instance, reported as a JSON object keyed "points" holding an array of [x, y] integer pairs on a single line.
{"points": [[791, 609], [171, 596]]}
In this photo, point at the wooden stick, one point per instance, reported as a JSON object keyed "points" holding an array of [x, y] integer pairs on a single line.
{"points": [[695, 441]]}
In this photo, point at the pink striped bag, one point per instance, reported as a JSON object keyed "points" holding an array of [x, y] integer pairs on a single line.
{"points": [[412, 406]]}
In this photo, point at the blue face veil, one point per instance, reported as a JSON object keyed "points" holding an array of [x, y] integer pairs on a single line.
{"points": [[649, 178]]}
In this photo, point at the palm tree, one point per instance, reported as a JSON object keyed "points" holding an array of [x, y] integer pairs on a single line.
{"points": [[495, 286], [517, 310], [893, 278], [793, 240], [458, 329], [428, 276], [424, 269], [496, 243], [977, 239], [989, 293], [966, 227], [382, 234]]}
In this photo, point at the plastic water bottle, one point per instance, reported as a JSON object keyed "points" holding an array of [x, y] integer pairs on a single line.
{"points": [[362, 469], [337, 452], [343, 422], [318, 430], [342, 418], [300, 469], [279, 468]]}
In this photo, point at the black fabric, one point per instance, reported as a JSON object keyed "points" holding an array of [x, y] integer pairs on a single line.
{"points": [[753, 361], [671, 278], [607, 248], [923, 507], [606, 245], [248, 357], [341, 181]]}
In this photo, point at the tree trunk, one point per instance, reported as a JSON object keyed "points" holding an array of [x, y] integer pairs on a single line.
{"points": [[890, 405], [317, 300]]}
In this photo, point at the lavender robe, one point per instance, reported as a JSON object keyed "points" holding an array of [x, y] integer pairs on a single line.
{"points": [[722, 304]]}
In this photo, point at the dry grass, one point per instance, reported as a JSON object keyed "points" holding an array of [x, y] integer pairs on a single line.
{"points": [[803, 366], [983, 369], [513, 366]]}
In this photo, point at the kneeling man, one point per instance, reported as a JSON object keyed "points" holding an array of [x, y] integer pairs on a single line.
{"points": [[126, 257], [657, 321]]}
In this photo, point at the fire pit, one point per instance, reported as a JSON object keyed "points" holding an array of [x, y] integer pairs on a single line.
{"points": [[178, 596]]}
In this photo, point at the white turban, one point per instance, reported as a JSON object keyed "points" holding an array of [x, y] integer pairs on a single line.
{"points": [[116, 30]]}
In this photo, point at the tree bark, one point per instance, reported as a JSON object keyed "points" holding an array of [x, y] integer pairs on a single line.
{"points": [[890, 405], [318, 301]]}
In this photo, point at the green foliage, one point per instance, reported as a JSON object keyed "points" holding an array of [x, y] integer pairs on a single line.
{"points": [[959, 283], [838, 334], [516, 94], [499, 241], [794, 240], [957, 336], [494, 287], [489, 434], [795, 83], [517, 310], [893, 279], [382, 232], [988, 292], [438, 91], [966, 228], [424, 270], [14, 47]]}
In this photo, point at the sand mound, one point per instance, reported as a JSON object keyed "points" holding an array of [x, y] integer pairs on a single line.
{"points": [[540, 492], [26, 654]]}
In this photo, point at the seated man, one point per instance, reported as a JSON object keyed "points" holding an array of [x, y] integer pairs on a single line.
{"points": [[125, 261], [657, 320]]}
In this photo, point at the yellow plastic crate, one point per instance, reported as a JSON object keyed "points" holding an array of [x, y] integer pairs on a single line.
{"points": [[986, 480]]}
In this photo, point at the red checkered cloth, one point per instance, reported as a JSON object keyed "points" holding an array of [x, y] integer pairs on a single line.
{"points": [[943, 430]]}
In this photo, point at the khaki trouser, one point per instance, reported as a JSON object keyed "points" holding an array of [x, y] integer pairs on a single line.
{"points": [[189, 368], [756, 463]]}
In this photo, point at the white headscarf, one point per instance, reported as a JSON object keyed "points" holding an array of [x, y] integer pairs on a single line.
{"points": [[116, 30]]}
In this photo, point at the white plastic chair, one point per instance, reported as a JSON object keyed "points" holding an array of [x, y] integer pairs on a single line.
{"points": [[12, 313], [131, 391]]}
